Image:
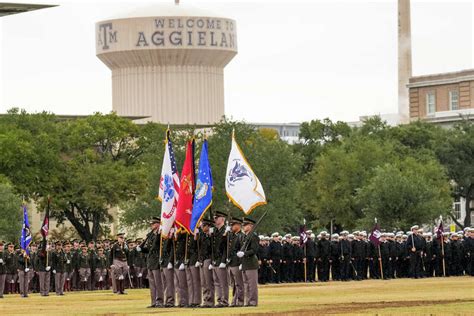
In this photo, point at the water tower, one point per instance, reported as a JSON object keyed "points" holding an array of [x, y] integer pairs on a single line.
{"points": [[168, 62]]}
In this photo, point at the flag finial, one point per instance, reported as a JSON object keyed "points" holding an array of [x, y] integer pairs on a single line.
{"points": [[376, 219]]}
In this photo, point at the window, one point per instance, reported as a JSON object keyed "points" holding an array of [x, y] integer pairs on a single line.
{"points": [[453, 100], [457, 208], [430, 103]]}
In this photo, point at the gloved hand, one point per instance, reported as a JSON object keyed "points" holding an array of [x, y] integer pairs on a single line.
{"points": [[227, 229], [100, 279], [1, 260], [240, 267], [138, 248], [140, 275], [181, 267], [48, 268], [198, 264], [222, 265], [170, 266], [54, 271], [211, 230], [68, 261], [211, 267], [240, 254], [26, 270]]}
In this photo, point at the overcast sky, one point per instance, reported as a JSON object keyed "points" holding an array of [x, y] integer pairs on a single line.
{"points": [[297, 60]]}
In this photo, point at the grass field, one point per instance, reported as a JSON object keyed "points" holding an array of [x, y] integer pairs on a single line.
{"points": [[440, 296]]}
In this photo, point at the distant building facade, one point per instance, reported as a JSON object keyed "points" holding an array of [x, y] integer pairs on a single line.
{"points": [[444, 98], [289, 132]]}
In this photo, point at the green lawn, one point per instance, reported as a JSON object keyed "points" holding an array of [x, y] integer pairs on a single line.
{"points": [[440, 296]]}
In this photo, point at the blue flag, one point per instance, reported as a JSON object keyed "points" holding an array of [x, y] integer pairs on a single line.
{"points": [[203, 193], [25, 240]]}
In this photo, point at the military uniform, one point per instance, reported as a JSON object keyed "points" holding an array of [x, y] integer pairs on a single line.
{"points": [[180, 269], [120, 270], [167, 265], [151, 247], [3, 270], [219, 259], [204, 258], [58, 265], [234, 262], [100, 265], [414, 246], [44, 268], [193, 270], [250, 266]]}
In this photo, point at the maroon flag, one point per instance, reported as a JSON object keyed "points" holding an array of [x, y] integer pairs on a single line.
{"points": [[440, 230], [303, 235], [45, 225], [374, 236]]}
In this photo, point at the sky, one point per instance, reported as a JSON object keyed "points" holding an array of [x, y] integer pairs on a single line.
{"points": [[297, 60]]}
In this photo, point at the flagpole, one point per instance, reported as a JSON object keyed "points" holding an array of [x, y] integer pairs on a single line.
{"points": [[442, 246], [380, 256], [305, 263]]}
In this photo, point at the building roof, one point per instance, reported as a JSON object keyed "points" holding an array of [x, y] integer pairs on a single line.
{"points": [[14, 8], [441, 78]]}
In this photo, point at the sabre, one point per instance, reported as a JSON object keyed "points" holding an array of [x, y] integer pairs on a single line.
{"points": [[249, 236]]}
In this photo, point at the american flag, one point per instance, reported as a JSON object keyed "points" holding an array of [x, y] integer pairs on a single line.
{"points": [[169, 188]]}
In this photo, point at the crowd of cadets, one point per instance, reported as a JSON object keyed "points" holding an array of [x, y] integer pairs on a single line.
{"points": [[187, 270], [345, 256], [197, 270]]}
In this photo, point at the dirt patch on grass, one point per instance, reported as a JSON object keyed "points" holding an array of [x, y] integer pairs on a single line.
{"points": [[357, 307]]}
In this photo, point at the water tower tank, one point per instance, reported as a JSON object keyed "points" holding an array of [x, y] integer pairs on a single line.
{"points": [[168, 63]]}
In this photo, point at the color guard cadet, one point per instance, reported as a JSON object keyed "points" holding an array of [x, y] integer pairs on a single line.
{"points": [[248, 254], [180, 268], [325, 253], [193, 272], [236, 238], [44, 268], [151, 247], [167, 264], [58, 265], [205, 263], [276, 254], [219, 259], [23, 269], [415, 251]]}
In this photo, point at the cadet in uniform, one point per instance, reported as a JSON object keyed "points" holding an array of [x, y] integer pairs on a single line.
{"points": [[248, 254], [180, 268], [167, 263], [84, 264], [44, 268], [69, 266], [58, 266], [151, 247], [235, 244], [415, 250], [119, 262], [219, 259], [204, 251], [101, 263], [276, 253], [193, 270]]}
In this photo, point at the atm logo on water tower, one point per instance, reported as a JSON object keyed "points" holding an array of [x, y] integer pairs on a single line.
{"points": [[106, 35]]}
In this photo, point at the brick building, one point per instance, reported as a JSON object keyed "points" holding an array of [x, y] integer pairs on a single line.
{"points": [[442, 98]]}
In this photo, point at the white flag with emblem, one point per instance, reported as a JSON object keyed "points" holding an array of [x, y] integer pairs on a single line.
{"points": [[241, 184]]}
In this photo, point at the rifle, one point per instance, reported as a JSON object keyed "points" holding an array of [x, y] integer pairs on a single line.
{"points": [[249, 236]]}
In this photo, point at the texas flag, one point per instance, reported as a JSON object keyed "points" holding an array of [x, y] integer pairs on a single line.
{"points": [[186, 190], [242, 185], [169, 188]]}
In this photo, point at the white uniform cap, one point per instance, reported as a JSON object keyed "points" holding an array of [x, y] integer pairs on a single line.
{"points": [[312, 236], [429, 234], [414, 227], [275, 234], [261, 237], [309, 231], [350, 236], [288, 236], [324, 232], [335, 235]]}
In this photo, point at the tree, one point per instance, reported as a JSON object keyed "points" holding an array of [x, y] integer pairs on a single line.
{"points": [[405, 192], [99, 169], [317, 135], [11, 215], [329, 191], [456, 151]]}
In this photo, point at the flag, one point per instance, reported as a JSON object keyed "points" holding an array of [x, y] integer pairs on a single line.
{"points": [[25, 240], [303, 235], [203, 193], [242, 185], [186, 190], [45, 226], [375, 235], [440, 230], [169, 188]]}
